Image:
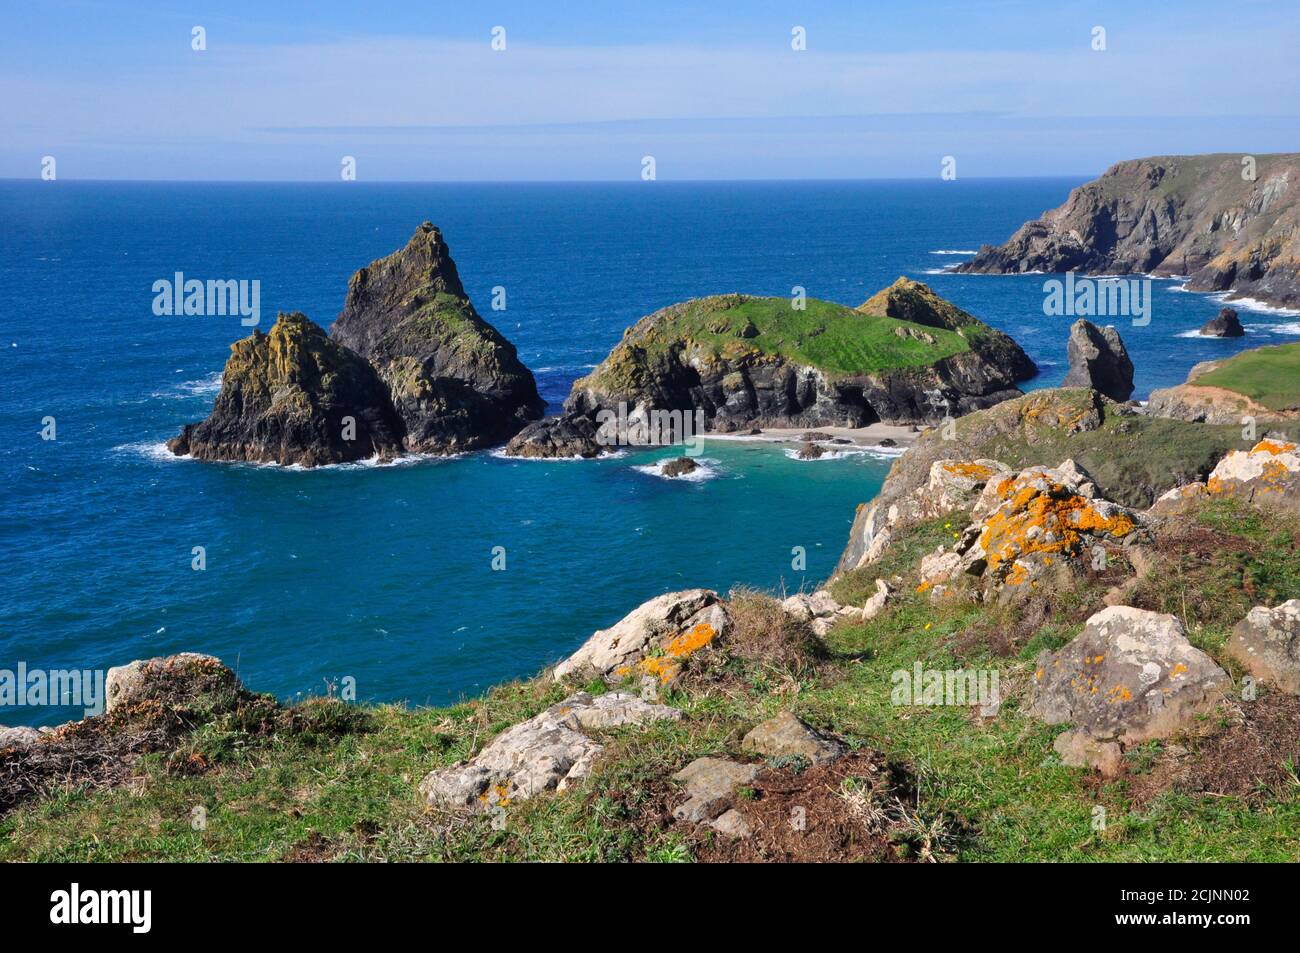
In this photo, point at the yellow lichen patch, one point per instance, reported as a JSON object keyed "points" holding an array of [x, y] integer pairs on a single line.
{"points": [[924, 586], [497, 794], [1177, 670], [1273, 447], [679, 648], [1120, 693], [976, 471]]}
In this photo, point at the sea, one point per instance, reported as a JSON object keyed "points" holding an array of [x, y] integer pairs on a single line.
{"points": [[429, 580]]}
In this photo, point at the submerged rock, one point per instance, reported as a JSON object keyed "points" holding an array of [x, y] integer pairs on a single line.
{"points": [[1129, 677], [455, 380], [679, 467], [550, 751], [1098, 359], [1225, 324], [293, 396]]}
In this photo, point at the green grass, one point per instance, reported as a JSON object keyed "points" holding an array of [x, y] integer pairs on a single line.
{"points": [[831, 337], [1267, 375], [345, 785]]}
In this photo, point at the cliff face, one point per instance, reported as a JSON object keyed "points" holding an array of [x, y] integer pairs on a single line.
{"points": [[284, 399], [748, 361], [1172, 215], [456, 382]]}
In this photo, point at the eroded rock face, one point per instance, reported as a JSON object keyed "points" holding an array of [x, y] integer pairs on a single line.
{"points": [[1098, 359], [1129, 677], [1267, 644], [786, 736], [1225, 324], [1029, 526], [550, 751], [293, 396], [563, 437], [655, 639], [455, 381], [1172, 215]]}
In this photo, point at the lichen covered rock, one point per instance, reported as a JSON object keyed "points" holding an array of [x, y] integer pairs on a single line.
{"points": [[787, 736], [293, 396], [655, 639], [549, 751], [1267, 644], [1129, 677]]}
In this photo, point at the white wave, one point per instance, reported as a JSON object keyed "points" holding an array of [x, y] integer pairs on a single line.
{"points": [[203, 387], [150, 449], [1253, 304], [953, 251], [157, 451], [1292, 327], [705, 469], [500, 454], [945, 270], [844, 452]]}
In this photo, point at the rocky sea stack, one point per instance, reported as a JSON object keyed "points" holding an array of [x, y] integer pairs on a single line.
{"points": [[1225, 324], [905, 356], [1098, 359], [456, 382], [1199, 216], [293, 396]]}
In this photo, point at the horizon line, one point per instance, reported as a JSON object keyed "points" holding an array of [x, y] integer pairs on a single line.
{"points": [[611, 181]]}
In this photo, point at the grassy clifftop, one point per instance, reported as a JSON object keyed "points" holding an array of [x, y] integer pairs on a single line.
{"points": [[836, 339], [1270, 376]]}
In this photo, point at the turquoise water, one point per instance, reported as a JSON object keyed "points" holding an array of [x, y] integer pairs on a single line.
{"points": [[384, 574]]}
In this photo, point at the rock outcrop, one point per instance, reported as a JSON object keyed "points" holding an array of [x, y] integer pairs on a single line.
{"points": [[1267, 475], [1098, 359], [1225, 324], [293, 396], [742, 362], [1030, 527], [787, 736], [709, 784], [819, 609], [563, 437], [1267, 644], [654, 640], [455, 381], [1198, 216], [186, 674], [1129, 677], [1132, 458], [550, 751]]}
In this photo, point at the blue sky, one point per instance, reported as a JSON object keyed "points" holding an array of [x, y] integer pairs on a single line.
{"points": [[414, 91]]}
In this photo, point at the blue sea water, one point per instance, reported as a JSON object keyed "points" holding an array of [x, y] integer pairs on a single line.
{"points": [[384, 574]]}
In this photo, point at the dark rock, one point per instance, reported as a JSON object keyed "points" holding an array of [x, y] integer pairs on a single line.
{"points": [[284, 399], [679, 467], [810, 451], [570, 435], [1225, 324], [887, 442], [812, 435], [1098, 359], [456, 382]]}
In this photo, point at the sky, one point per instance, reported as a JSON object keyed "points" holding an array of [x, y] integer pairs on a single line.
{"points": [[586, 90]]}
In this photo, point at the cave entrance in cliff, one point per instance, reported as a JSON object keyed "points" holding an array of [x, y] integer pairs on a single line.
{"points": [[858, 412]]}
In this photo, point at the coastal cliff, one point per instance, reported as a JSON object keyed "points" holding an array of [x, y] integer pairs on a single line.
{"points": [[1203, 217]]}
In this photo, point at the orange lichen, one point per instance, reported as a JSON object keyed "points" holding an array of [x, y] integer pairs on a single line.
{"points": [[679, 648], [924, 586], [976, 471], [1272, 447]]}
